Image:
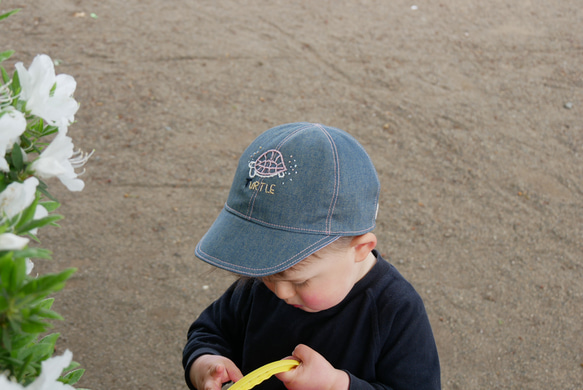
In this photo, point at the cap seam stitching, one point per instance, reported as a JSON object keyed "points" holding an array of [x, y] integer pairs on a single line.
{"points": [[284, 227], [336, 191]]}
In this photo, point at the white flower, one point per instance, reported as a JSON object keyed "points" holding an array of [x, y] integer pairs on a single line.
{"points": [[56, 106], [51, 370], [59, 160], [12, 125], [17, 197], [29, 266], [12, 242], [39, 213]]}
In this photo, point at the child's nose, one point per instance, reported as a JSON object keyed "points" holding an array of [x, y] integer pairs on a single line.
{"points": [[284, 290]]}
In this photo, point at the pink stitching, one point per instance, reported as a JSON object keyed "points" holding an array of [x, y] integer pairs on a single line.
{"points": [[252, 203], [336, 180]]}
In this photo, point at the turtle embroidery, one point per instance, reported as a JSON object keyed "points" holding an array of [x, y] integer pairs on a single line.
{"points": [[269, 164]]}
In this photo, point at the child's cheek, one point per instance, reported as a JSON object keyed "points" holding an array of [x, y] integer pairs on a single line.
{"points": [[315, 301]]}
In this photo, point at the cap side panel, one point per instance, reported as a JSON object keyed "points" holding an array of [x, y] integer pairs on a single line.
{"points": [[293, 133], [378, 195]]}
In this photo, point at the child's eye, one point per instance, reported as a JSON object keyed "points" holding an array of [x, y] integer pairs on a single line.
{"points": [[302, 284]]}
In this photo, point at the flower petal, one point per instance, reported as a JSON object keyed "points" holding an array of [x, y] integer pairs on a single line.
{"points": [[72, 183], [39, 213], [12, 242], [5, 384], [17, 197], [29, 266], [13, 124], [48, 167], [57, 160]]}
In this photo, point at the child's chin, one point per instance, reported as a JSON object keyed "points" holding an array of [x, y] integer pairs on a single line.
{"points": [[302, 307], [306, 309]]}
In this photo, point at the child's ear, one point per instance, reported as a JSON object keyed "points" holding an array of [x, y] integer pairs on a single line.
{"points": [[363, 245]]}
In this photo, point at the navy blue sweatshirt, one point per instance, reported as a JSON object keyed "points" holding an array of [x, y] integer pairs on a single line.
{"points": [[379, 334]]}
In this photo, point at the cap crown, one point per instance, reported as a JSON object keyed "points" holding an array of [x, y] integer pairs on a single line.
{"points": [[306, 178]]}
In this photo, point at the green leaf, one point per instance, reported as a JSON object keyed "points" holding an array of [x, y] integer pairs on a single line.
{"points": [[37, 223], [6, 340], [49, 314], [18, 274], [50, 206], [9, 13], [34, 327], [6, 55], [22, 368], [42, 188], [49, 129], [46, 304], [71, 366], [28, 213], [6, 265], [51, 339], [34, 253], [23, 341], [15, 86], [41, 350], [26, 143], [72, 377], [5, 77], [49, 283], [17, 157]]}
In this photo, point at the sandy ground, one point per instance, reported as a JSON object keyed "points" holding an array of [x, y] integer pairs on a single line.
{"points": [[471, 110]]}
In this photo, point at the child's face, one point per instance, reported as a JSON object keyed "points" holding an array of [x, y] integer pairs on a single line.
{"points": [[321, 281]]}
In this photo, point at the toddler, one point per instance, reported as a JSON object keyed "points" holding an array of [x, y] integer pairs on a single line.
{"points": [[297, 226]]}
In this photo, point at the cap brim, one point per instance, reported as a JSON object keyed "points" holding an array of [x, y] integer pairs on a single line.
{"points": [[250, 249]]}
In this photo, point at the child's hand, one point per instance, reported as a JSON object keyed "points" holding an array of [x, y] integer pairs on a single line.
{"points": [[313, 373], [209, 372]]}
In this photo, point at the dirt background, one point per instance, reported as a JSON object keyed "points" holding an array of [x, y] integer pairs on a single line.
{"points": [[471, 110]]}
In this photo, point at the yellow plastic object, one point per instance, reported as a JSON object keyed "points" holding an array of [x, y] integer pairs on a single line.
{"points": [[262, 373]]}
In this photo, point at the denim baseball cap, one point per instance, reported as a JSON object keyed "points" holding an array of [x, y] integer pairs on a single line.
{"points": [[297, 188]]}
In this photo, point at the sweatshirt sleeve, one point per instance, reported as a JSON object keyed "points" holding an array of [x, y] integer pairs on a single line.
{"points": [[217, 329], [408, 354]]}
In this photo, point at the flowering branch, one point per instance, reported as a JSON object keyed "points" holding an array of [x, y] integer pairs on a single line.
{"points": [[36, 109]]}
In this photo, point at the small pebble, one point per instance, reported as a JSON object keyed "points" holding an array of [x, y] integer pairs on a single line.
{"points": [[568, 105]]}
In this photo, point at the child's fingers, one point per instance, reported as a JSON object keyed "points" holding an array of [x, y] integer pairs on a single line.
{"points": [[214, 381], [220, 372], [313, 373], [287, 376], [304, 353], [209, 372], [232, 372]]}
